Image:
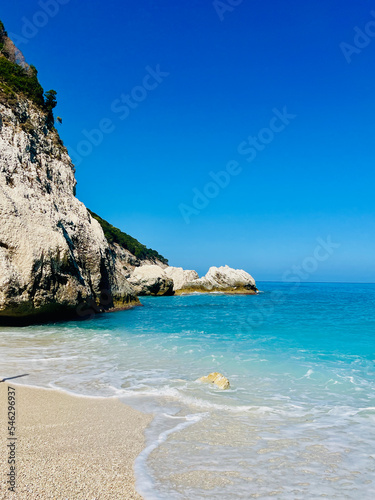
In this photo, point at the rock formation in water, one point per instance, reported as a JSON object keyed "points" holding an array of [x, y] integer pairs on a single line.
{"points": [[151, 280], [181, 277], [221, 279]]}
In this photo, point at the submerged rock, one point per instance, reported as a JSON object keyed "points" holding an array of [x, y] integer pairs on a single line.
{"points": [[216, 378], [151, 280]]}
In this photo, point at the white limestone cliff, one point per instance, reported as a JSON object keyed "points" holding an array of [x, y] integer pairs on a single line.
{"points": [[53, 254]]}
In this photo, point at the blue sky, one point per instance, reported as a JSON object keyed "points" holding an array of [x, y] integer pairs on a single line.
{"points": [[220, 75]]}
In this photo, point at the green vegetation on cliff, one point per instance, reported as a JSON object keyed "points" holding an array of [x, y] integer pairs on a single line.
{"points": [[114, 235], [22, 79]]}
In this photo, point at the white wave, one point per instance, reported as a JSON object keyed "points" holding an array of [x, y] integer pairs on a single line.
{"points": [[308, 374], [145, 484]]}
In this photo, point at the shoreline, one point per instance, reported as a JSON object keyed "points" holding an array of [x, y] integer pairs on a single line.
{"points": [[45, 319], [42, 319], [71, 446], [191, 291]]}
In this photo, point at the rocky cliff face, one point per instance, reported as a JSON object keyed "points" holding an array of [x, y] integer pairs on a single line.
{"points": [[53, 255], [58, 259]]}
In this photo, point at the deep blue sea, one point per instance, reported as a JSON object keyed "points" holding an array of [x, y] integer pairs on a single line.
{"points": [[298, 421]]}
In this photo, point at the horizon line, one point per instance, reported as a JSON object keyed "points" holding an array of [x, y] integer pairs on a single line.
{"points": [[320, 282]]}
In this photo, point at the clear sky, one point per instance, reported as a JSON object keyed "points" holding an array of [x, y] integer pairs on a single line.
{"points": [[264, 90]]}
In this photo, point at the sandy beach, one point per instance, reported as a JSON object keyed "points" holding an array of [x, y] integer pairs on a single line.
{"points": [[70, 447]]}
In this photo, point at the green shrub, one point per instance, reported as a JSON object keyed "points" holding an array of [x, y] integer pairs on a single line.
{"points": [[21, 80], [49, 105], [114, 235], [25, 80]]}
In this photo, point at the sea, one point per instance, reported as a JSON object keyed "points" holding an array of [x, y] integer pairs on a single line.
{"points": [[298, 421]]}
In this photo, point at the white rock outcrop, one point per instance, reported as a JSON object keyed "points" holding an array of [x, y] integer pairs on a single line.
{"points": [[181, 277], [151, 280], [53, 254], [223, 279]]}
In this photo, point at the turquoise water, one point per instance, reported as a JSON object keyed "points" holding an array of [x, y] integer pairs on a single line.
{"points": [[298, 421]]}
